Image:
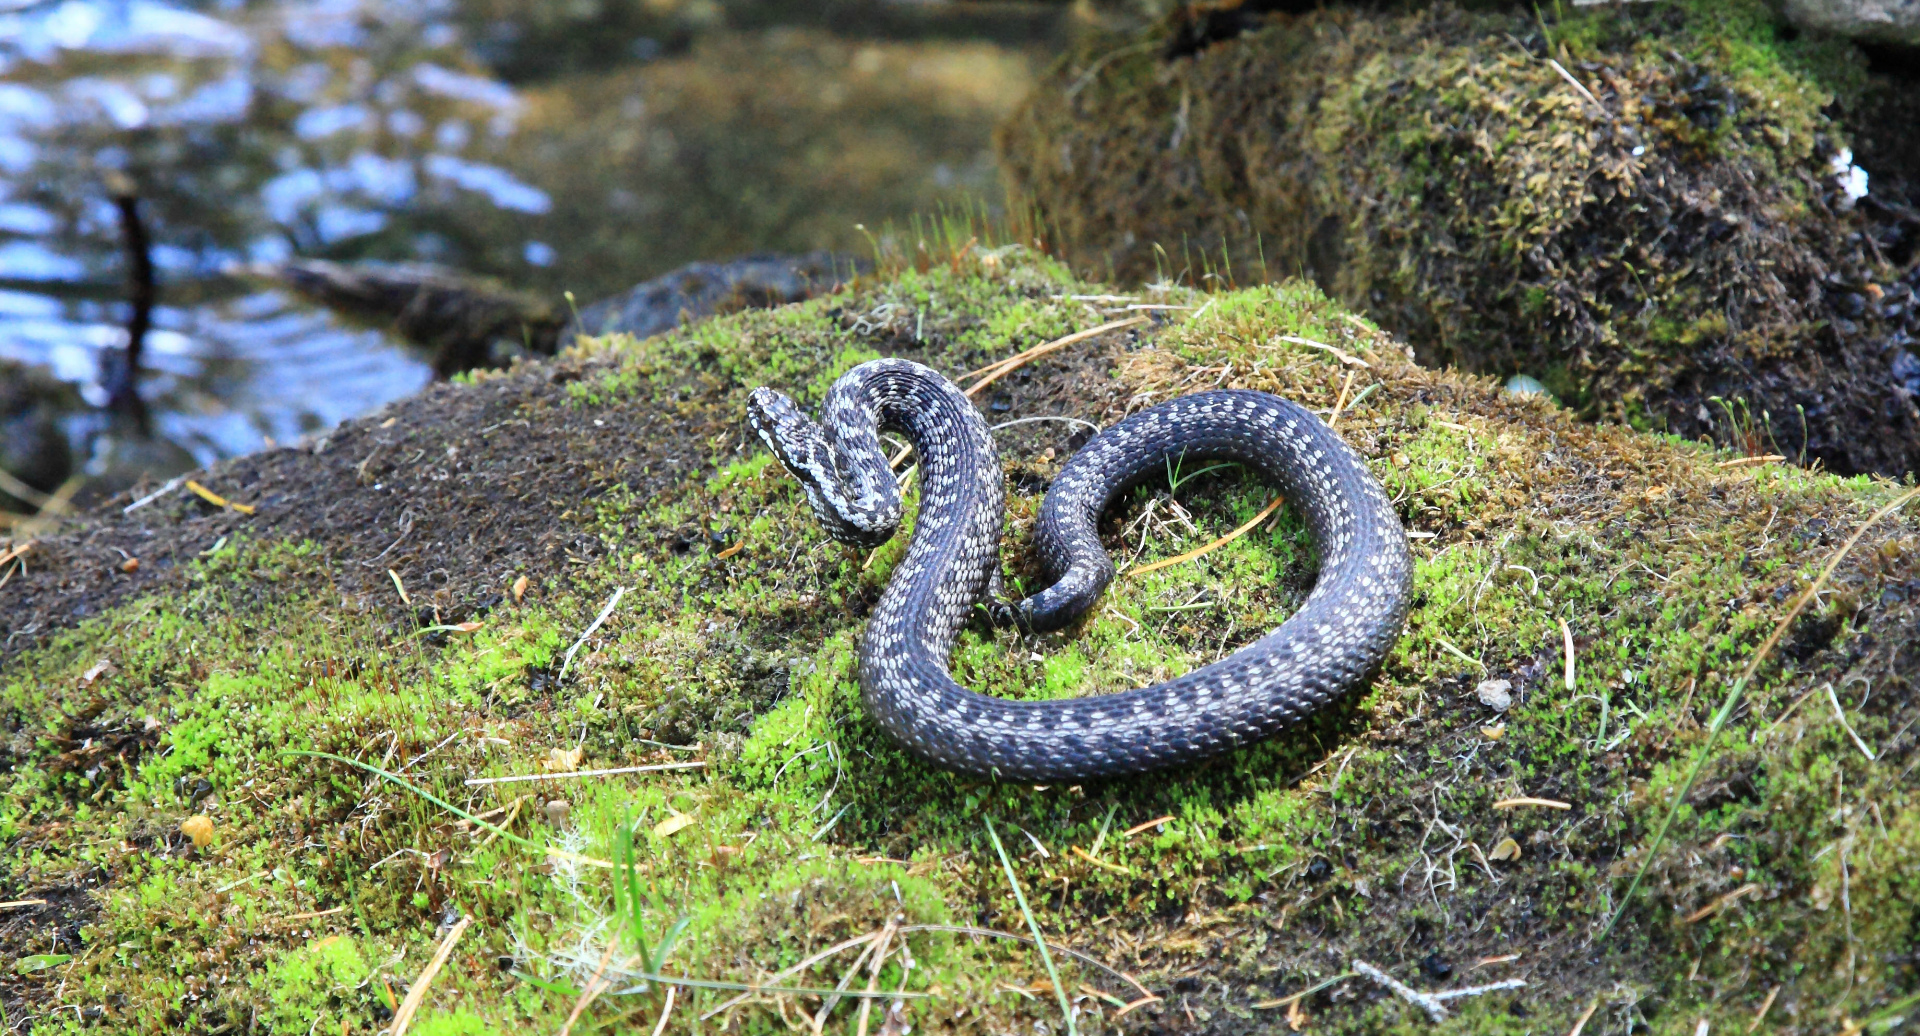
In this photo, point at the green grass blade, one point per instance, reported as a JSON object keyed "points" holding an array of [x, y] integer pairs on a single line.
{"points": [[1066, 1009]]}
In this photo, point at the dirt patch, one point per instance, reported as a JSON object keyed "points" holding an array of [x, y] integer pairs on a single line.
{"points": [[457, 491], [1643, 206]]}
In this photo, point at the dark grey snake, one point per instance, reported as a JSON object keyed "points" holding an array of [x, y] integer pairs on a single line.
{"points": [[1337, 637]]}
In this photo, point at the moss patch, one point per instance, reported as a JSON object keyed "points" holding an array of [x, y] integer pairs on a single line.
{"points": [[1633, 203], [1371, 832]]}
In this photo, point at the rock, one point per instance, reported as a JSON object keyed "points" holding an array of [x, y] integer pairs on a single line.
{"points": [[1429, 166], [706, 289], [467, 321], [1527, 385], [470, 321], [1495, 694], [1880, 21]]}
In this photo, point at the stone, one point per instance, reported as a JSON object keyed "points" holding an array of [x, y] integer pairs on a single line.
{"points": [[1495, 694], [1880, 21]]}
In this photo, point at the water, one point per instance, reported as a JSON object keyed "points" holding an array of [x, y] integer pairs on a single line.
{"points": [[578, 146]]}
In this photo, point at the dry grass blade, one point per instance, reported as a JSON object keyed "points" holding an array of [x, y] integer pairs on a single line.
{"points": [[1083, 958], [587, 995], [666, 1012], [994, 372], [1215, 545], [417, 993], [1738, 689], [472, 782], [831, 951]]}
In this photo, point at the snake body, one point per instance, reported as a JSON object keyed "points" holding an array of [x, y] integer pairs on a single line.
{"points": [[1337, 637]]}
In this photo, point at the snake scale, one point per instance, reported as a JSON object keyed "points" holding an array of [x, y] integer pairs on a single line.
{"points": [[1330, 644]]}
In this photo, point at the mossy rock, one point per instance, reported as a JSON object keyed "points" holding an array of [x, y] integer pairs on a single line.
{"points": [[1636, 204], [411, 593]]}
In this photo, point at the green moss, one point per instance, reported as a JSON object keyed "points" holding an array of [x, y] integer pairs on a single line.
{"points": [[1581, 194], [311, 979], [1365, 833]]}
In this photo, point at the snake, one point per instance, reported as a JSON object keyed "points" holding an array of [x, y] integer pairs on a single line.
{"points": [[1333, 642]]}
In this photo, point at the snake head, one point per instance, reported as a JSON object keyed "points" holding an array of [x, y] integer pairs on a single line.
{"points": [[862, 512]]}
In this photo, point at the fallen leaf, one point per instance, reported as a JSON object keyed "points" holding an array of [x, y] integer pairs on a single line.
{"points": [[198, 827], [40, 962], [564, 760], [1508, 849], [673, 823], [1495, 732], [519, 589], [738, 546], [96, 671], [465, 627], [1296, 1018]]}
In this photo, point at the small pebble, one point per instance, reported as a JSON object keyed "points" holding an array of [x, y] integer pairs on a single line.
{"points": [[1495, 694], [1527, 385]]}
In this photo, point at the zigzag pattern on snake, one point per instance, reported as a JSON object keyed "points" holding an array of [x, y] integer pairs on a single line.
{"points": [[1331, 644]]}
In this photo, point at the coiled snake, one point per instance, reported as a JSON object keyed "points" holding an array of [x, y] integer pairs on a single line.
{"points": [[1336, 638]]}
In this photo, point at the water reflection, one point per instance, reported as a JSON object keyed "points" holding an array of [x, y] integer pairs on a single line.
{"points": [[505, 137]]}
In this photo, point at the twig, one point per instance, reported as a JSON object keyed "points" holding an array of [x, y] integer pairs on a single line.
{"points": [[873, 972], [172, 484], [1137, 828], [1491, 987], [597, 620], [1842, 717], [587, 995], [417, 993], [1055, 947], [1525, 801], [994, 372], [1765, 1005], [11, 903], [1341, 355], [666, 1011], [1434, 1008], [1744, 462], [476, 781], [1287, 1001], [1215, 545], [1566, 640], [311, 914], [1032, 420], [858, 940], [1577, 85], [1739, 687], [1719, 902], [1584, 1015], [1341, 403]]}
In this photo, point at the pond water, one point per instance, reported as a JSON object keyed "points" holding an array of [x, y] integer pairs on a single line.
{"points": [[556, 145]]}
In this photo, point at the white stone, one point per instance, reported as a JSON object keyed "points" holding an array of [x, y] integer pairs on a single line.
{"points": [[1495, 694], [1887, 21]]}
